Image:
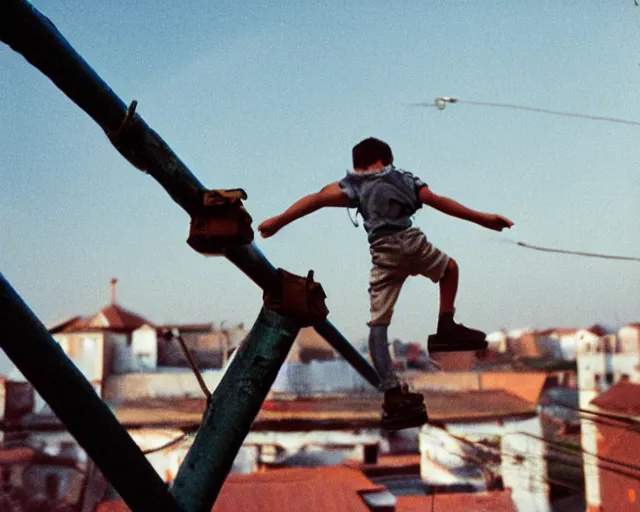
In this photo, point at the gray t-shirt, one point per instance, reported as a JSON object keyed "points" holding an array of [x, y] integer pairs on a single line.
{"points": [[386, 199]]}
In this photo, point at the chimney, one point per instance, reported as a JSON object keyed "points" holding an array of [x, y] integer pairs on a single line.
{"points": [[113, 290]]}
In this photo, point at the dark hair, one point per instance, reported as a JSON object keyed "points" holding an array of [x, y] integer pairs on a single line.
{"points": [[369, 151]]}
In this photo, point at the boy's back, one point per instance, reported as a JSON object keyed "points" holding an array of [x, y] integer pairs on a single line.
{"points": [[386, 199]]}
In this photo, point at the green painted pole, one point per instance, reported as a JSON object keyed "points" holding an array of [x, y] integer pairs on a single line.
{"points": [[232, 409], [88, 419]]}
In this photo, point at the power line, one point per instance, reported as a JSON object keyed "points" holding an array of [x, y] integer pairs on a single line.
{"points": [[620, 467], [604, 418], [171, 443], [561, 447], [576, 253], [494, 469], [441, 101]]}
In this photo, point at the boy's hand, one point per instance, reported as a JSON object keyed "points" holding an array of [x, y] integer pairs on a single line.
{"points": [[270, 227], [495, 222]]}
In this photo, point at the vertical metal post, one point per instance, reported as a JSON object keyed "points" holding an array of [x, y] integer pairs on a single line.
{"points": [[231, 410], [41, 360]]}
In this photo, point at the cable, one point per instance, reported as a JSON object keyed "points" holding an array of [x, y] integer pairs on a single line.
{"points": [[611, 420], [581, 450], [578, 449], [441, 101], [175, 441], [491, 467], [175, 334], [576, 253]]}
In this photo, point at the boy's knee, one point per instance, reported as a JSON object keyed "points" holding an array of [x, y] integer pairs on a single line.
{"points": [[452, 266]]}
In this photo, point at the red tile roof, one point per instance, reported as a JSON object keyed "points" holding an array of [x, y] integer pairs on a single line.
{"points": [[597, 329], [560, 331], [336, 412], [526, 385], [388, 465], [63, 325], [120, 318], [328, 489], [623, 398], [500, 501], [116, 317]]}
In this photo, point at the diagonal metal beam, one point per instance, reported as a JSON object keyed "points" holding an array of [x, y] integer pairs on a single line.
{"points": [[33, 35], [231, 410], [41, 360]]}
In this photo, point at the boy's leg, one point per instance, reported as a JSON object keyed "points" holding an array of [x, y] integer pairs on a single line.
{"points": [[379, 350], [440, 268], [385, 284], [453, 336], [402, 409], [449, 287]]}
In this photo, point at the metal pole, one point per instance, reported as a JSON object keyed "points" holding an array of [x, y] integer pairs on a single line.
{"points": [[232, 409], [41, 360], [333, 336], [30, 33]]}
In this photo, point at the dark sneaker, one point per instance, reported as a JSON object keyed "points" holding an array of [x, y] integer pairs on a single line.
{"points": [[405, 418], [456, 331], [452, 337], [403, 409], [436, 343], [400, 397]]}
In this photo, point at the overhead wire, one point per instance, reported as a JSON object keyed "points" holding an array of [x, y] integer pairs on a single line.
{"points": [[169, 444], [623, 468], [575, 253], [441, 101], [602, 418], [493, 469]]}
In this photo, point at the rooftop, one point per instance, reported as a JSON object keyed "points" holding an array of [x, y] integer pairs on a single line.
{"points": [[326, 489], [499, 501], [111, 317], [336, 412], [623, 398]]}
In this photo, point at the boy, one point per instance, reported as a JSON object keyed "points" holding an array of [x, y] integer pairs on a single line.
{"points": [[387, 198]]}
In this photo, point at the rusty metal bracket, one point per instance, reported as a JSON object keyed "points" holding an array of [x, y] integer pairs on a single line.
{"points": [[297, 297], [127, 139], [220, 222]]}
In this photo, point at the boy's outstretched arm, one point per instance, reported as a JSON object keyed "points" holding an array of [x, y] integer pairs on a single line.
{"points": [[331, 195], [455, 209]]}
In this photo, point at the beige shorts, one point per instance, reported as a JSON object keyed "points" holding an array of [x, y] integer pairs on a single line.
{"points": [[394, 258]]}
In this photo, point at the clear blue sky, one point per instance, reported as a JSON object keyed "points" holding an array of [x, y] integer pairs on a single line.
{"points": [[272, 96]]}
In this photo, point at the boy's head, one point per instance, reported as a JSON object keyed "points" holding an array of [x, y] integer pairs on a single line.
{"points": [[369, 151]]}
